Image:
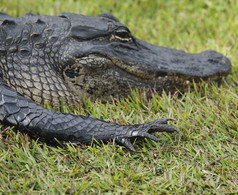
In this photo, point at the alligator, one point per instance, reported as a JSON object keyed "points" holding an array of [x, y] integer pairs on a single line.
{"points": [[67, 57]]}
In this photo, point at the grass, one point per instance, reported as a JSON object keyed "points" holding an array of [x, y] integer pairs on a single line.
{"points": [[203, 161]]}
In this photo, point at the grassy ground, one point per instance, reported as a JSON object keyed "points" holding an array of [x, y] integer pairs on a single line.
{"points": [[203, 161]]}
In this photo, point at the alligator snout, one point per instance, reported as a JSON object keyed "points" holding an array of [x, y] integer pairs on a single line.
{"points": [[151, 61], [209, 64]]}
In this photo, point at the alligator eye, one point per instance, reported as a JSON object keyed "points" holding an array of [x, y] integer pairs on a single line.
{"points": [[121, 35]]}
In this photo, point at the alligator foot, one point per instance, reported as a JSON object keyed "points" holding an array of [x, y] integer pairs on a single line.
{"points": [[144, 130]]}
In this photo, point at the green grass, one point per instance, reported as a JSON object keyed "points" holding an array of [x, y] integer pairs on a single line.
{"points": [[203, 161]]}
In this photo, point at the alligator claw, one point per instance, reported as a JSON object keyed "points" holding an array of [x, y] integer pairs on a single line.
{"points": [[144, 130], [127, 143]]}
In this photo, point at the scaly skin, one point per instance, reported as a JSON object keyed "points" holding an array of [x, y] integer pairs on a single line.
{"points": [[45, 58], [52, 125]]}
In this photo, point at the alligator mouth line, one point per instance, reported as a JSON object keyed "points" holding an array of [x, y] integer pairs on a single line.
{"points": [[179, 78], [140, 75]]}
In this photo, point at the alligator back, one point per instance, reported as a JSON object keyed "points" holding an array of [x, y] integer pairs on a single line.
{"points": [[29, 56]]}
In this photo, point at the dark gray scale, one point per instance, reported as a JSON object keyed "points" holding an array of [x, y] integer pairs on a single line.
{"points": [[27, 54]]}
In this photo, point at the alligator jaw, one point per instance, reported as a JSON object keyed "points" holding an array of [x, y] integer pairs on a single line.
{"points": [[115, 69], [150, 62]]}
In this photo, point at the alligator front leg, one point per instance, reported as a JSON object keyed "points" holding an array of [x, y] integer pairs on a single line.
{"points": [[50, 125]]}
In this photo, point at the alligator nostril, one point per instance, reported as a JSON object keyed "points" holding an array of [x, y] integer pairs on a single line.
{"points": [[218, 63], [213, 60], [214, 57]]}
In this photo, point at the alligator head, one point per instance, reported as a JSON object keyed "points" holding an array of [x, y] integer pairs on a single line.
{"points": [[103, 58]]}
